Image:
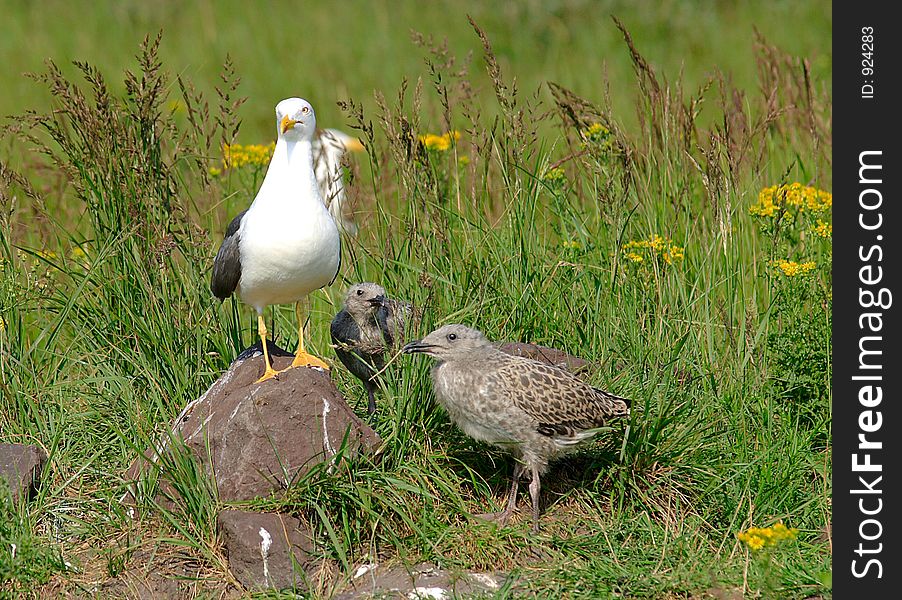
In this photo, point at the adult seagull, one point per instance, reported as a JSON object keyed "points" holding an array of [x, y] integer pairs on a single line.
{"points": [[286, 244]]}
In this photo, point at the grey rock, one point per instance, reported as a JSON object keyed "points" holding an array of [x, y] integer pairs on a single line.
{"points": [[266, 550], [21, 467], [534, 410], [424, 580], [258, 438]]}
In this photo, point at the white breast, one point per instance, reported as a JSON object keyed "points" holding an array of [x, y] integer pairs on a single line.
{"points": [[286, 256], [288, 242], [469, 409]]}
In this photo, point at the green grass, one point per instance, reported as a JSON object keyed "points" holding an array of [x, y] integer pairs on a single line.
{"points": [[107, 237], [326, 54]]}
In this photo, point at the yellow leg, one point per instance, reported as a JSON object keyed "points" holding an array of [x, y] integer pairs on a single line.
{"points": [[302, 358], [269, 373]]}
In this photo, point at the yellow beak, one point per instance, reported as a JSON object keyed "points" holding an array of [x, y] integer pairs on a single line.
{"points": [[287, 123], [354, 145]]}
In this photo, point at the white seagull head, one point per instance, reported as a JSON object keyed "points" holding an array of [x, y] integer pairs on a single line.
{"points": [[295, 120]]}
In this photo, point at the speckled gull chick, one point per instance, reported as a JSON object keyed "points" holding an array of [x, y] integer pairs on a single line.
{"points": [[367, 326], [535, 410], [286, 244]]}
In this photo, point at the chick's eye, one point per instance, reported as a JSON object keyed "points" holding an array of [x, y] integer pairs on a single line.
{"points": [[452, 337], [359, 292]]}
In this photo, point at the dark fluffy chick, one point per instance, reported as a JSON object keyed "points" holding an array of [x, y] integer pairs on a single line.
{"points": [[368, 325], [532, 409]]}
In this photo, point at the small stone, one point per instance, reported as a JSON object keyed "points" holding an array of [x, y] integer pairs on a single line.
{"points": [[266, 550], [21, 467]]}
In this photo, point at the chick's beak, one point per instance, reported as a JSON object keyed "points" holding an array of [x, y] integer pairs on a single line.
{"points": [[287, 123], [415, 347], [377, 300]]}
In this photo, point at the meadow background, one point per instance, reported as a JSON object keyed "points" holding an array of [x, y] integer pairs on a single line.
{"points": [[615, 196]]}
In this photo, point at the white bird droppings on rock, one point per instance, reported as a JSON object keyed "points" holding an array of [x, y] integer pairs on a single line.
{"points": [[265, 544], [364, 569]]}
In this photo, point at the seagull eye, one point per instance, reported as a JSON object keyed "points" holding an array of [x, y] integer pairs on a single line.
{"points": [[452, 337], [305, 110]]}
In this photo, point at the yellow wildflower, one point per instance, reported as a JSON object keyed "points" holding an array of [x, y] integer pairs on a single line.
{"points": [[439, 142], [434, 142], [215, 172], [235, 156], [757, 538], [634, 256], [463, 160], [571, 244], [823, 229], [595, 132], [597, 136], [77, 254], [792, 269], [554, 175], [782, 200], [655, 246]]}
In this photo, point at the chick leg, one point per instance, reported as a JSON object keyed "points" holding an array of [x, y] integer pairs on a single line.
{"points": [[303, 358], [535, 488], [502, 517], [371, 397]]}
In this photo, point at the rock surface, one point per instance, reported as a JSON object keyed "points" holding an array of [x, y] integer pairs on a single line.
{"points": [[421, 581], [21, 467], [257, 438], [266, 550], [551, 356]]}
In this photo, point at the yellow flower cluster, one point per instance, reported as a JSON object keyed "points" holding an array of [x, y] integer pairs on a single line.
{"points": [[776, 201], [598, 138], [823, 229], [757, 538], [235, 156], [554, 175], [439, 142], [77, 254], [655, 246], [575, 245], [595, 132], [792, 269]]}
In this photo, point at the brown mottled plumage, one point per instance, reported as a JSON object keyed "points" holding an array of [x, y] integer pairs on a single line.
{"points": [[535, 410]]}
